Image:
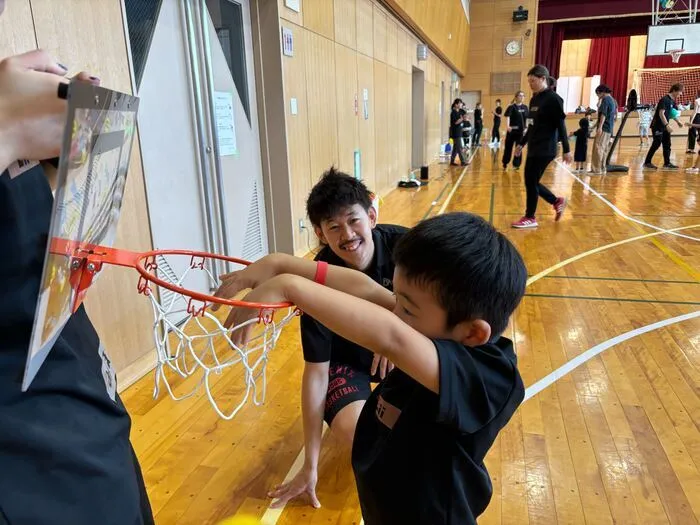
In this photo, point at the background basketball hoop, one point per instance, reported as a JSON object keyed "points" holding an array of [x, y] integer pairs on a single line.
{"points": [[676, 54]]}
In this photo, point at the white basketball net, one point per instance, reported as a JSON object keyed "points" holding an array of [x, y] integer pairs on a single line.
{"points": [[676, 55], [194, 349]]}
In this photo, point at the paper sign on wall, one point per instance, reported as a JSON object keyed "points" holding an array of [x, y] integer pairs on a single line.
{"points": [[365, 103], [292, 4], [225, 128], [287, 42]]}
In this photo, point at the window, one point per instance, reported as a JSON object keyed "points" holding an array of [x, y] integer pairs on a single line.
{"points": [[227, 17]]}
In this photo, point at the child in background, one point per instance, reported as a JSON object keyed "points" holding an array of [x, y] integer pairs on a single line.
{"points": [[644, 123], [695, 169], [581, 148]]}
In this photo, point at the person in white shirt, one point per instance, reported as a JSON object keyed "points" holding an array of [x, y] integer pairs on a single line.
{"points": [[694, 119]]}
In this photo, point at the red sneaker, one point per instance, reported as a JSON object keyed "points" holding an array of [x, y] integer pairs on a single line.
{"points": [[525, 222], [559, 207]]}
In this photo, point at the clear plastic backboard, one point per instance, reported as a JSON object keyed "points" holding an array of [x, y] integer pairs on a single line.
{"points": [[92, 172]]}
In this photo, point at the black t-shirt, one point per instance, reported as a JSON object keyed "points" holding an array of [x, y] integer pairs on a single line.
{"points": [[517, 115], [456, 127], [478, 116], [418, 456], [497, 117], [65, 455], [546, 125], [665, 105], [318, 342]]}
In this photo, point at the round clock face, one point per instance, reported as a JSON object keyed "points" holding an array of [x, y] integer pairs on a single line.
{"points": [[513, 47]]}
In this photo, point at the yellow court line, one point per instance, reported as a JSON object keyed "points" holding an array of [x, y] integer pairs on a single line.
{"points": [[671, 254]]}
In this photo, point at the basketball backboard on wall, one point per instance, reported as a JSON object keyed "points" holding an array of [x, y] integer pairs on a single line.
{"points": [[665, 38], [92, 173]]}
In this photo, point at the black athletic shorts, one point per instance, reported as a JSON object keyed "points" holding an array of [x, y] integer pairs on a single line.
{"points": [[346, 384]]}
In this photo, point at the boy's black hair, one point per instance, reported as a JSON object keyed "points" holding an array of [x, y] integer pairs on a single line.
{"points": [[584, 123], [334, 192], [474, 270]]}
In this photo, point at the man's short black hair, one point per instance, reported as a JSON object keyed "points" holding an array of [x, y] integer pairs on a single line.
{"points": [[676, 88], [334, 192], [539, 71], [475, 271]]}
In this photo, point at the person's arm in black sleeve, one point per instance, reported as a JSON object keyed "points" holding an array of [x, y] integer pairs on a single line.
{"points": [[561, 115]]}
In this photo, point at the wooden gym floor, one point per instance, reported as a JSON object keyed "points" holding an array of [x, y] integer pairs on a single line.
{"points": [[616, 440]]}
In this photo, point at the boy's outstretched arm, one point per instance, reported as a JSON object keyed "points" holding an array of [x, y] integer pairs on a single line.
{"points": [[344, 279], [363, 321]]}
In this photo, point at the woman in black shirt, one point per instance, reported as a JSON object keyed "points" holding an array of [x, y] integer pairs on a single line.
{"points": [[496, 132], [457, 118], [478, 123], [516, 117]]}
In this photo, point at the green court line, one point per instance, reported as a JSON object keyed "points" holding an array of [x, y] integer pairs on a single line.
{"points": [[442, 192], [614, 299], [493, 198], [627, 279]]}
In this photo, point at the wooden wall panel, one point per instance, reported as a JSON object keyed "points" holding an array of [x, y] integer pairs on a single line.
{"points": [[394, 108], [319, 62], [346, 89], [365, 27], [16, 29], [297, 131], [122, 317], [638, 52], [443, 23], [379, 34], [370, 49], [392, 42], [346, 22], [491, 27], [367, 138], [381, 127], [318, 17], [290, 15], [574, 58]]}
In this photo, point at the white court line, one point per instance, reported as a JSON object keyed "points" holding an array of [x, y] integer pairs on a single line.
{"points": [[577, 361], [617, 210], [456, 185], [271, 516], [561, 264]]}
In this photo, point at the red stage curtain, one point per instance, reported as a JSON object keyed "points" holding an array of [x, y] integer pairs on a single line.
{"points": [[548, 48], [665, 61], [609, 58]]}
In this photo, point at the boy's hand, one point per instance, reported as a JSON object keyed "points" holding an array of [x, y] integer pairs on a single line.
{"points": [[248, 278], [271, 291], [303, 483], [385, 366]]}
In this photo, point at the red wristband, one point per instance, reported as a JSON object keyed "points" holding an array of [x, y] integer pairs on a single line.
{"points": [[321, 272]]}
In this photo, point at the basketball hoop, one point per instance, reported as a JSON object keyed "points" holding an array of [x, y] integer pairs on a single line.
{"points": [[190, 339], [676, 55]]}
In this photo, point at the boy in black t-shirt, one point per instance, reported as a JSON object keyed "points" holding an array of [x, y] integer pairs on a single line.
{"points": [[420, 443], [337, 372], [661, 128]]}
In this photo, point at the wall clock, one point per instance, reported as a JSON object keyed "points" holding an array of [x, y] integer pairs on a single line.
{"points": [[513, 47]]}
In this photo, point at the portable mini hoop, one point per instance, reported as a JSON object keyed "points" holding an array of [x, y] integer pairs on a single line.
{"points": [[190, 340]]}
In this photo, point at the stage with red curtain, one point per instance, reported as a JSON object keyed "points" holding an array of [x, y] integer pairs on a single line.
{"points": [[610, 38]]}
